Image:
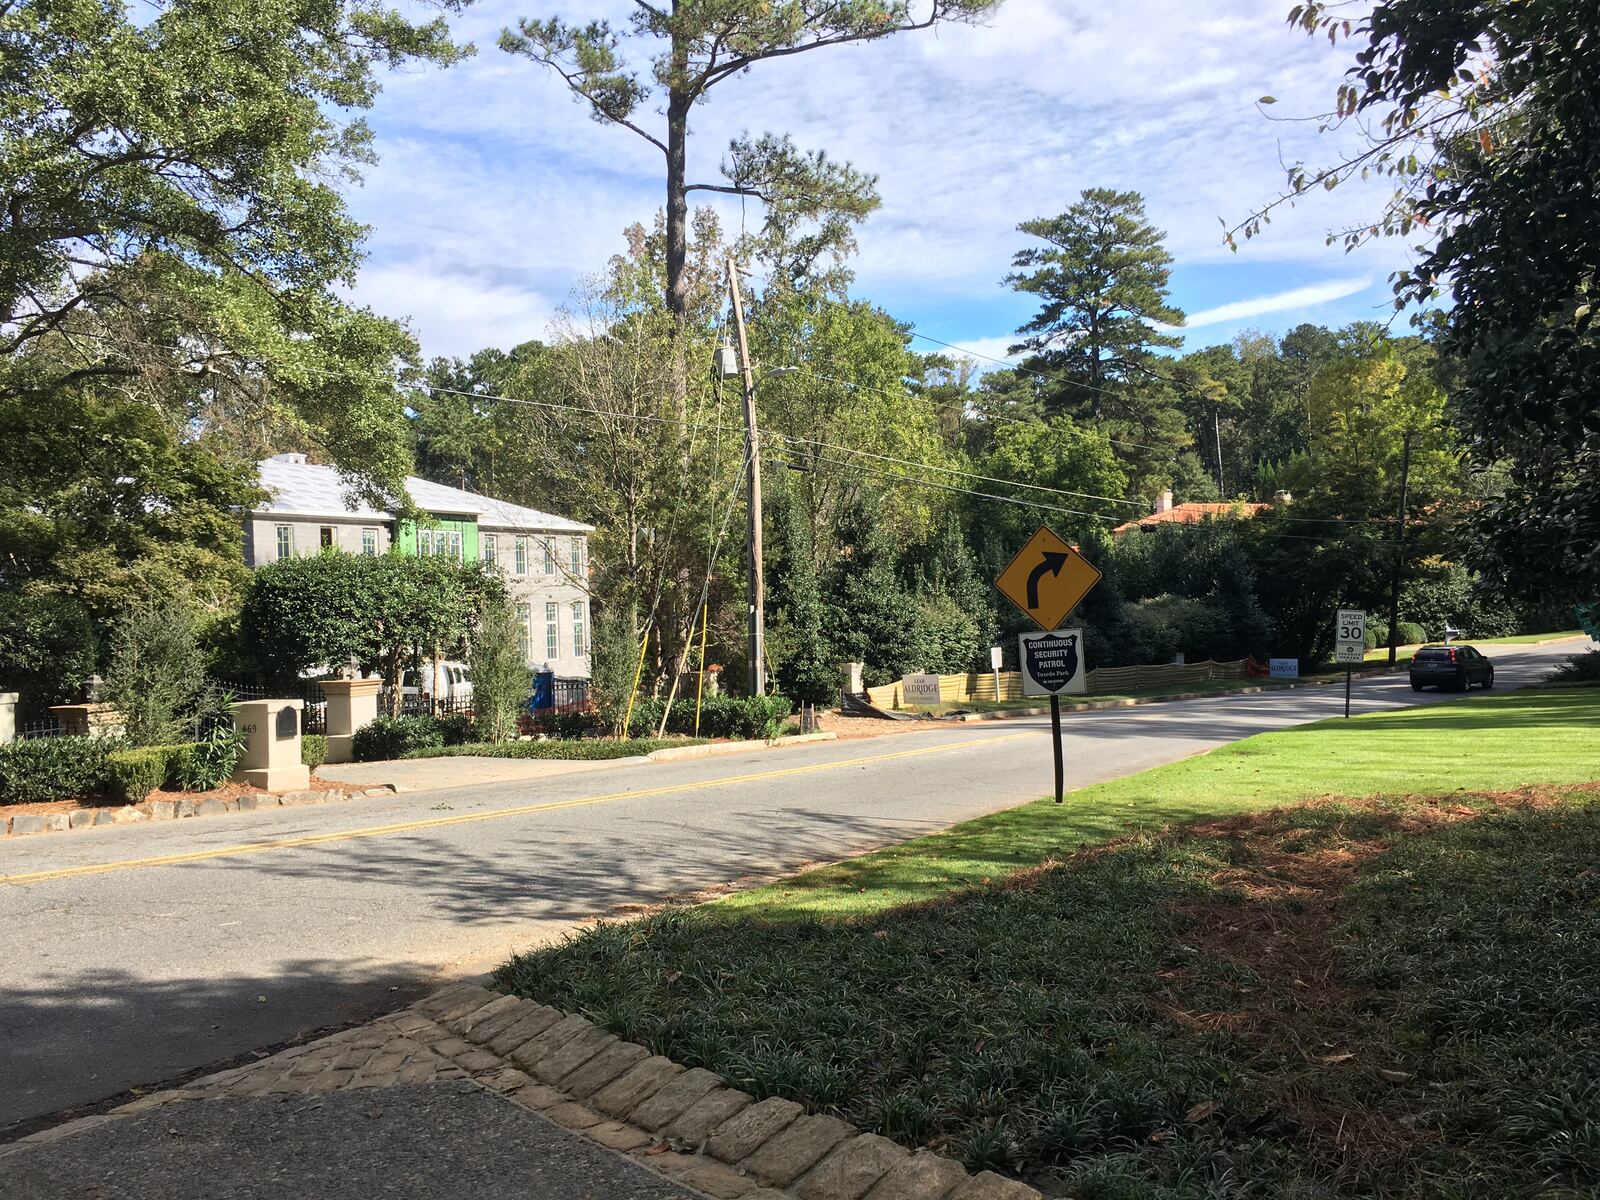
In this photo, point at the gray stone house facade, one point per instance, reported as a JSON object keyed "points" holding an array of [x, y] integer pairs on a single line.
{"points": [[544, 558]]}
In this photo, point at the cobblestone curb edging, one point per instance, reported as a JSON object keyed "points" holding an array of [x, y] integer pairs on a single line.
{"points": [[171, 810], [688, 1125]]}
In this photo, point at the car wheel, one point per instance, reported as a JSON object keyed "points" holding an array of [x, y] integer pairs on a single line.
{"points": [[1489, 681], [1416, 687]]}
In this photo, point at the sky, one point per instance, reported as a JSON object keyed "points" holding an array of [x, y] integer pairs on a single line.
{"points": [[495, 195]]}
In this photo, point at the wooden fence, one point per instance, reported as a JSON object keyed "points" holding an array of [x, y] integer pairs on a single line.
{"points": [[1102, 681]]}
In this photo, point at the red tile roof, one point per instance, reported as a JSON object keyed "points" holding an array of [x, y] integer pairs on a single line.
{"points": [[1193, 514]]}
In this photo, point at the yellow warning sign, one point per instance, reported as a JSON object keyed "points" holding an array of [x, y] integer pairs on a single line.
{"points": [[1048, 579]]}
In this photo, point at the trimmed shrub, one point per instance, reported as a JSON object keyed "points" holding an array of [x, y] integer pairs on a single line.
{"points": [[457, 729], [58, 768], [313, 750], [131, 775], [1411, 634], [585, 723], [737, 717], [396, 737]]}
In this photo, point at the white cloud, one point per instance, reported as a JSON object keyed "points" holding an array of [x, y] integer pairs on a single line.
{"points": [[455, 314], [491, 173], [1295, 298]]}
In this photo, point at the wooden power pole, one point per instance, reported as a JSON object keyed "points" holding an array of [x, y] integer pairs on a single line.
{"points": [[752, 450], [1399, 550]]}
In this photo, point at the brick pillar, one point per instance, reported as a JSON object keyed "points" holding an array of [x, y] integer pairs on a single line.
{"points": [[352, 703]]}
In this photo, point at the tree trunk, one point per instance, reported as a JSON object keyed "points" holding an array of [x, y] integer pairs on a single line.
{"points": [[677, 204]]}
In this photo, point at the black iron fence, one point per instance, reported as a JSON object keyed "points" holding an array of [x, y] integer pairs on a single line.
{"points": [[40, 729], [309, 691]]}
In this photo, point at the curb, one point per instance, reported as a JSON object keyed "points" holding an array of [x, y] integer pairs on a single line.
{"points": [[171, 810], [712, 749], [689, 1126], [1140, 701]]}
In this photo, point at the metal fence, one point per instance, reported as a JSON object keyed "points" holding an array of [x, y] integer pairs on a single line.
{"points": [[40, 729], [315, 716]]}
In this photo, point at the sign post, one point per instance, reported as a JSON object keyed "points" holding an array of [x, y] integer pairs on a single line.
{"points": [[1350, 645], [1047, 580]]}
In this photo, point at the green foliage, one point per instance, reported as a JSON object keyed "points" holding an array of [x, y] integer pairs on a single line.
{"points": [[212, 760], [1412, 634], [106, 504], [208, 198], [155, 671], [305, 613], [458, 729], [54, 768], [131, 775], [1580, 668], [47, 650], [313, 750], [501, 683], [396, 737], [737, 717], [796, 641]]}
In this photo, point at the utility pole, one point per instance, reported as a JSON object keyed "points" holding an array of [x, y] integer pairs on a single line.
{"points": [[752, 450], [1399, 549], [1216, 432]]}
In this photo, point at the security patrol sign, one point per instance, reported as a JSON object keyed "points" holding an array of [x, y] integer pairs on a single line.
{"points": [[1052, 663], [1047, 579]]}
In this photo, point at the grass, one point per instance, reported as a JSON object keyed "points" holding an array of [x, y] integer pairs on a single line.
{"points": [[1175, 987], [1382, 999], [588, 749], [1481, 743]]}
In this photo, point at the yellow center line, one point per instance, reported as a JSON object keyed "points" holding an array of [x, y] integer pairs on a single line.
{"points": [[318, 839]]}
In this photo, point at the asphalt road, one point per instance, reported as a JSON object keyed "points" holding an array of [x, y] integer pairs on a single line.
{"points": [[121, 967]]}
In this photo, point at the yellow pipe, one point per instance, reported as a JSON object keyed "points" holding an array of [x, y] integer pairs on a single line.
{"points": [[627, 717], [700, 684]]}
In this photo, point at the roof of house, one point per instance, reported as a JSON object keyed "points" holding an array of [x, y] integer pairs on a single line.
{"points": [[1192, 514], [299, 488]]}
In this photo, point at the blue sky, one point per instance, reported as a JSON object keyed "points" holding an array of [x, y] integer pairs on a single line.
{"points": [[495, 195]]}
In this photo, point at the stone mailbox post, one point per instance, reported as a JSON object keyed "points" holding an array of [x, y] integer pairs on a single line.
{"points": [[352, 703], [271, 758]]}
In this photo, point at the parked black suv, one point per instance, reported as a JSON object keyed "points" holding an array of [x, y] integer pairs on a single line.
{"points": [[1453, 667]]}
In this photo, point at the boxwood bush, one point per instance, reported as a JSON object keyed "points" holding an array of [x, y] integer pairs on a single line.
{"points": [[594, 749], [131, 775], [313, 750], [396, 737], [54, 768]]}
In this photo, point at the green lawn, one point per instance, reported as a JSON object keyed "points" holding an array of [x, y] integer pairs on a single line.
{"points": [[1214, 687], [1389, 998], [1480, 743]]}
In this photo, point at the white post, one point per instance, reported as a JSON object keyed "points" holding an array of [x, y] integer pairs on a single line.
{"points": [[8, 717]]}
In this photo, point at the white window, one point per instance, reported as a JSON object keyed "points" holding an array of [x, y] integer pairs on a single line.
{"points": [[523, 617], [522, 556], [578, 647], [489, 547], [424, 543], [552, 630], [327, 539], [549, 555], [369, 542], [452, 543], [577, 560], [285, 542]]}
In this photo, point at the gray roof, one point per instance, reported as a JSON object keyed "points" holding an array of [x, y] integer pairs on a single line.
{"points": [[299, 488]]}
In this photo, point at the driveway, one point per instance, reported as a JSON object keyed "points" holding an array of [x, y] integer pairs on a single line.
{"points": [[133, 953]]}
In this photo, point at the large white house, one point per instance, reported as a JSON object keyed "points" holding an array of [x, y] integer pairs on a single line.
{"points": [[544, 558]]}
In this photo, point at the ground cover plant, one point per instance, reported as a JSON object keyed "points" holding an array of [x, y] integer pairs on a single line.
{"points": [[1390, 996]]}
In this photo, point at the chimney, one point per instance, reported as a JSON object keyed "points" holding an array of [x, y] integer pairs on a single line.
{"points": [[1282, 498], [293, 460], [1164, 501]]}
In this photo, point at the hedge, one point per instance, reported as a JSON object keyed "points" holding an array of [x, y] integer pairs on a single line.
{"points": [[54, 768], [131, 775], [313, 750], [396, 737], [735, 717], [585, 749]]}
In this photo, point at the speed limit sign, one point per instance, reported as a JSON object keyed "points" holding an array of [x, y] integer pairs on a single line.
{"points": [[1350, 637]]}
